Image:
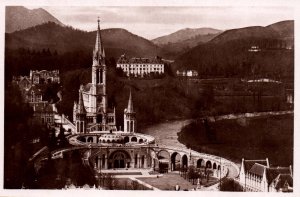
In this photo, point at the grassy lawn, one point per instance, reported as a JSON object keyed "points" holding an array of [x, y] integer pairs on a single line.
{"points": [[169, 180], [127, 184], [256, 138]]}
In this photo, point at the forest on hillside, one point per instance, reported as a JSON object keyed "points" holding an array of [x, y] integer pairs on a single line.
{"points": [[233, 59]]}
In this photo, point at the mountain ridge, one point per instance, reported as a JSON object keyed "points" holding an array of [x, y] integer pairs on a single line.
{"points": [[18, 18], [184, 34], [228, 54], [67, 39]]}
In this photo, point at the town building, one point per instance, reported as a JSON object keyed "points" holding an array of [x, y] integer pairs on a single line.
{"points": [[44, 76], [259, 176], [33, 94], [141, 67], [32, 88], [44, 112], [187, 73], [24, 82]]}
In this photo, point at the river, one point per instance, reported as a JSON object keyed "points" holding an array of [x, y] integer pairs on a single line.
{"points": [[166, 133]]}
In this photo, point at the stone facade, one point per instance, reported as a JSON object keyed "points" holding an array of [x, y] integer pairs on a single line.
{"points": [[92, 106], [141, 67], [44, 76]]}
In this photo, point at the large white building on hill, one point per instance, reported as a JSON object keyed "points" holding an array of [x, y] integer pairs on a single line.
{"points": [[141, 67]]}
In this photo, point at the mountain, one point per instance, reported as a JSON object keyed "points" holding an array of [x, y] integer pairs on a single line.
{"points": [[228, 55], [19, 17], [51, 46], [280, 30], [67, 39], [183, 40], [185, 34]]}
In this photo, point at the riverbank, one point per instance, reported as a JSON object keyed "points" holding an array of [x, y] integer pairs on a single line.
{"points": [[252, 137]]}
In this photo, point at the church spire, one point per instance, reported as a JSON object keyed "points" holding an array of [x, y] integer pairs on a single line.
{"points": [[130, 105], [80, 106], [98, 51]]}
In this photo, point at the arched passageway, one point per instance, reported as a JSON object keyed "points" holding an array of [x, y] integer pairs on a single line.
{"points": [[126, 139], [175, 161], [119, 159], [90, 139], [200, 163], [208, 164], [214, 166], [184, 161], [163, 161], [133, 139], [140, 140]]}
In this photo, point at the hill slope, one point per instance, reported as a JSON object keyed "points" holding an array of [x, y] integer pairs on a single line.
{"points": [[68, 39], [184, 34], [227, 55], [280, 30], [183, 40], [19, 17]]}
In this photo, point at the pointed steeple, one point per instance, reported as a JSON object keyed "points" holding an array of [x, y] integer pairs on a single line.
{"points": [[80, 106], [130, 105], [98, 51]]}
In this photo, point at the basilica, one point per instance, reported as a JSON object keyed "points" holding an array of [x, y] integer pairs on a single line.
{"points": [[91, 113]]}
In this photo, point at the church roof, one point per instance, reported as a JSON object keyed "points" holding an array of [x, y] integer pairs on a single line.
{"points": [[86, 88], [80, 106], [139, 60]]}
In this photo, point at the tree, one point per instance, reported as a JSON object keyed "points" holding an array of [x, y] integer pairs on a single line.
{"points": [[230, 185]]}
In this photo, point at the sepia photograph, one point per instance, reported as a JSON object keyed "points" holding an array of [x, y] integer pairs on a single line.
{"points": [[138, 97]]}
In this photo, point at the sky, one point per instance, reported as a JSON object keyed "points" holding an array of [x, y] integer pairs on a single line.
{"points": [[151, 22]]}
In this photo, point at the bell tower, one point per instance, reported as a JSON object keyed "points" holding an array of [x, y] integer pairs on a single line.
{"points": [[80, 115], [129, 117]]}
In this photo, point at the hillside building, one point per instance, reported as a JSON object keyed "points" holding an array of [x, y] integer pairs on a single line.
{"points": [[32, 88], [141, 67], [258, 176], [187, 73], [44, 76], [44, 112], [254, 49]]}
